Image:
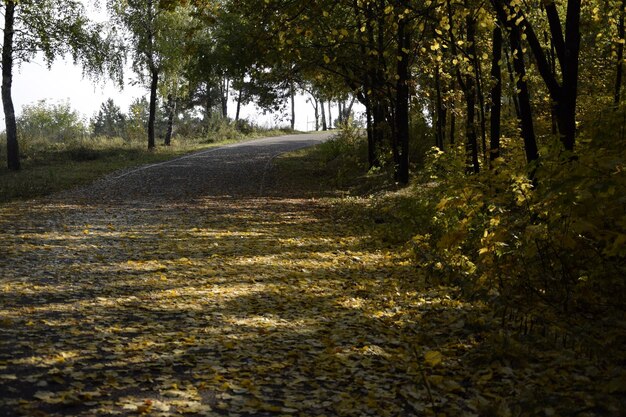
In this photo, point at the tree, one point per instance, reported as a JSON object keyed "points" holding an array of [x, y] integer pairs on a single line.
{"points": [[54, 28], [146, 23], [566, 44], [496, 94], [138, 116], [109, 121]]}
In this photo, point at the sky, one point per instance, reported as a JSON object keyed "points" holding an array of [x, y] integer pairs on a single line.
{"points": [[64, 82]]}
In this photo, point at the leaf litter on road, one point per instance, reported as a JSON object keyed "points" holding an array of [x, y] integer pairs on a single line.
{"points": [[268, 306], [220, 307]]}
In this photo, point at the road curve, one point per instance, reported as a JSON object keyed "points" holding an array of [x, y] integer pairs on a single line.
{"points": [[238, 169]]}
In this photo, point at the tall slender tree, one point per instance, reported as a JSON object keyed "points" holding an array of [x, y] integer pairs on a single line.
{"points": [[54, 28], [142, 20]]}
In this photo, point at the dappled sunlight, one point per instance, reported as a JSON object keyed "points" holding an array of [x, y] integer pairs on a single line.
{"points": [[220, 306]]}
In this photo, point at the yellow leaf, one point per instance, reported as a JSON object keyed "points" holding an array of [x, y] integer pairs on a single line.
{"points": [[433, 357]]}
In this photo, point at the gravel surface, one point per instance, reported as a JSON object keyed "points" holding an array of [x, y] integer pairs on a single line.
{"points": [[235, 170]]}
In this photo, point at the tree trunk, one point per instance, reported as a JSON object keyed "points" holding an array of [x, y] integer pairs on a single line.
{"points": [[453, 51], [371, 143], [171, 107], [481, 105], [378, 127], [563, 95], [330, 116], [620, 55], [471, 142], [496, 95], [523, 95], [340, 112], [566, 110], [153, 99], [238, 112], [317, 114], [452, 124], [509, 68], [13, 155], [402, 103], [224, 96], [292, 93], [348, 110], [324, 125], [440, 112]]}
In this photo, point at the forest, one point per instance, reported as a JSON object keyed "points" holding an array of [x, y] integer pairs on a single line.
{"points": [[488, 164]]}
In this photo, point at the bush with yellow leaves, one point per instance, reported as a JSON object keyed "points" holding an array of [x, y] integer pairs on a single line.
{"points": [[553, 252]]}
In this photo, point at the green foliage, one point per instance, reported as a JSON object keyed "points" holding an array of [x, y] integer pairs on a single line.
{"points": [[344, 153], [60, 28], [109, 121], [137, 125], [57, 122]]}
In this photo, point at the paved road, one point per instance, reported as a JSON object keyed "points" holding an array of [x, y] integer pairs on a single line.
{"points": [[238, 169]]}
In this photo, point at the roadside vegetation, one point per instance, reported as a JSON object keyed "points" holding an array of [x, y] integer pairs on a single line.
{"points": [[61, 151]]}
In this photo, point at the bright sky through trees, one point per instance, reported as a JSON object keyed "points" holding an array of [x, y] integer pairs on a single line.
{"points": [[64, 82]]}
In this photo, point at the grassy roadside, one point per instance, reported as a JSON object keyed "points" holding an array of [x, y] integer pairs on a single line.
{"points": [[51, 167], [336, 168]]}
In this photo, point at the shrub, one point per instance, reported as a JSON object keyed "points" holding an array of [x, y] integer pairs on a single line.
{"points": [[54, 122], [554, 253]]}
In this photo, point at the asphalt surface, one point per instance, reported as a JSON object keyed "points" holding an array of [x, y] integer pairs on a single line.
{"points": [[239, 169]]}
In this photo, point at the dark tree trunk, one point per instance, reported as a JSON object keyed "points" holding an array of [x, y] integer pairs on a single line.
{"points": [[402, 103], [471, 144], [324, 125], [238, 112], [340, 111], [366, 99], [563, 95], [453, 50], [440, 123], [371, 142], [569, 90], [224, 96], [13, 155], [452, 124], [330, 116], [292, 93], [496, 95], [153, 99], [509, 68], [379, 120], [523, 96], [171, 107], [481, 105], [348, 110], [317, 114], [620, 55]]}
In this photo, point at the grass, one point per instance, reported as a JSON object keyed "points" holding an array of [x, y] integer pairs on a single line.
{"points": [[336, 168], [49, 167]]}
